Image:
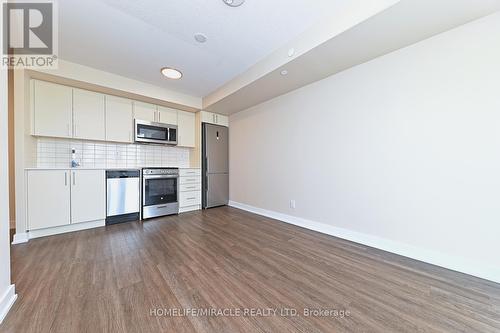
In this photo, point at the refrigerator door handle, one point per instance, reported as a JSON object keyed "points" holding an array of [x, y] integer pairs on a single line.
{"points": [[206, 183]]}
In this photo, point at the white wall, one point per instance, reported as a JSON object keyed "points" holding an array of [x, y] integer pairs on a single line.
{"points": [[402, 152], [7, 291]]}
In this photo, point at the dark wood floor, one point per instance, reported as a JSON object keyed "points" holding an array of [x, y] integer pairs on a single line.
{"points": [[112, 279]]}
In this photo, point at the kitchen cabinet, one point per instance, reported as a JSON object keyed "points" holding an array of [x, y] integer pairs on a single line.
{"points": [[190, 199], [65, 112], [89, 116], [186, 129], [52, 106], [189, 172], [58, 198], [88, 195], [214, 118], [119, 119], [48, 198], [145, 111], [167, 115], [189, 190]]}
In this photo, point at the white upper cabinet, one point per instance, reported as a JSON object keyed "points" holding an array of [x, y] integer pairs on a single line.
{"points": [[145, 111], [88, 115], [222, 120], [52, 109], [119, 119], [88, 195], [186, 129], [214, 118], [167, 115], [65, 112]]}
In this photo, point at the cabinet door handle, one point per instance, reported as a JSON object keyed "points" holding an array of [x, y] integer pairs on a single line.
{"points": [[65, 179], [159, 117], [74, 178], [67, 128]]}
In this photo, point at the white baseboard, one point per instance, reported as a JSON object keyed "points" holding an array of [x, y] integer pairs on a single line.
{"points": [[20, 238], [65, 228], [491, 273], [6, 301]]}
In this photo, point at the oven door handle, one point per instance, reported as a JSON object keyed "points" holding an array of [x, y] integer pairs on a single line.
{"points": [[160, 177]]}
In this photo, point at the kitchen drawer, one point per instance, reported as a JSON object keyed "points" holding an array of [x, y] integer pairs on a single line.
{"points": [[189, 198], [189, 172], [189, 187], [190, 180]]}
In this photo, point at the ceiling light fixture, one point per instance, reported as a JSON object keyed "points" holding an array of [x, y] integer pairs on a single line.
{"points": [[284, 72], [234, 3], [200, 38], [171, 73]]}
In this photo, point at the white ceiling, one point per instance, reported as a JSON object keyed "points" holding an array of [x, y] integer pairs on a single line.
{"points": [[135, 38], [403, 24]]}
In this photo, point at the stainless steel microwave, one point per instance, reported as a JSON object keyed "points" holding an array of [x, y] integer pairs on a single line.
{"points": [[150, 132]]}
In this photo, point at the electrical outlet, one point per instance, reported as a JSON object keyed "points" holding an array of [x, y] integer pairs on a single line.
{"points": [[292, 204]]}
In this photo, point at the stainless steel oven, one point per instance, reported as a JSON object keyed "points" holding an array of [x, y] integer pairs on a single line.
{"points": [[150, 132], [160, 192]]}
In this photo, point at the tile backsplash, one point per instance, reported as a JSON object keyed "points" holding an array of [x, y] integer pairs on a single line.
{"points": [[56, 153]]}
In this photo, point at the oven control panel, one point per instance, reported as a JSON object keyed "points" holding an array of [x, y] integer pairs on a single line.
{"points": [[161, 171]]}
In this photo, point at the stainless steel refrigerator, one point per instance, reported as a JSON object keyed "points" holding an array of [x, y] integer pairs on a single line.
{"points": [[215, 165]]}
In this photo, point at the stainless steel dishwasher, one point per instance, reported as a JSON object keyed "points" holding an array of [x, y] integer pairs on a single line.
{"points": [[123, 190]]}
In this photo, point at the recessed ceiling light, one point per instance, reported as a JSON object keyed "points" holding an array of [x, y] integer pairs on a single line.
{"points": [[200, 38], [234, 3], [171, 73], [284, 72]]}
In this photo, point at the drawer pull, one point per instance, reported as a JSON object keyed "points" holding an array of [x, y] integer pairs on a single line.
{"points": [[190, 198]]}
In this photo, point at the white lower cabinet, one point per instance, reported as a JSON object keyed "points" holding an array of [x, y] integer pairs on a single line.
{"points": [[88, 195], [189, 199], [189, 190], [48, 199], [57, 198]]}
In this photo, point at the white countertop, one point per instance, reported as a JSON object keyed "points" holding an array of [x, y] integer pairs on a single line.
{"points": [[82, 168]]}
